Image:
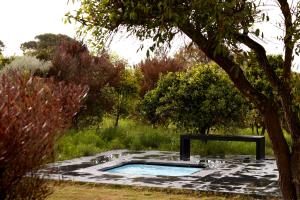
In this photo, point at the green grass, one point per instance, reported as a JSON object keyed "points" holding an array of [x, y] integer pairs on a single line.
{"points": [[137, 136], [128, 135]]}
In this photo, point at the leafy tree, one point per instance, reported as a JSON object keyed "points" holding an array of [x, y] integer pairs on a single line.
{"points": [[72, 62], [255, 74], [2, 58], [152, 68], [190, 55], [220, 29], [44, 45], [2, 46], [195, 100], [126, 94]]}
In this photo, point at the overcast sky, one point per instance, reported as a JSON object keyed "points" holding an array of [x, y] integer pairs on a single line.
{"points": [[22, 20]]}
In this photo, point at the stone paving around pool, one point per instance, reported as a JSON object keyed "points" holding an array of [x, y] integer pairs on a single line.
{"points": [[230, 174]]}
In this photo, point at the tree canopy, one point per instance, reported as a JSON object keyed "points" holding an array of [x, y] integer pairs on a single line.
{"points": [[221, 29], [196, 100], [2, 46], [152, 68], [44, 45], [72, 62]]}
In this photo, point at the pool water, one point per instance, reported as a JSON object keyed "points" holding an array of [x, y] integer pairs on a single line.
{"points": [[147, 169]]}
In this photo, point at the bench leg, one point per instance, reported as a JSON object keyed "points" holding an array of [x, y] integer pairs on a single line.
{"points": [[185, 148], [260, 149]]}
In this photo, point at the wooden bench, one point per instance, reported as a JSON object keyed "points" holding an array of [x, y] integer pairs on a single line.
{"points": [[185, 143]]}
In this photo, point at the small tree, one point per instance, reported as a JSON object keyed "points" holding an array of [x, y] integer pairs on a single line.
{"points": [[126, 94], [153, 68], [72, 62], [195, 100], [33, 113]]}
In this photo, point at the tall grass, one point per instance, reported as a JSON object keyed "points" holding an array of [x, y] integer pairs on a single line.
{"points": [[134, 135], [128, 135]]}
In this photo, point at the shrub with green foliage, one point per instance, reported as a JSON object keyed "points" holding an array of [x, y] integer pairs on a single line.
{"points": [[5, 60], [196, 100], [28, 65], [33, 113]]}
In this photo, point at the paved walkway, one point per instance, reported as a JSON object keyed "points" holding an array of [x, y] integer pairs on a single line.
{"points": [[232, 174]]}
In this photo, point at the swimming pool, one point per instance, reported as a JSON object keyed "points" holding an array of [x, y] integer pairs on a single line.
{"points": [[154, 169]]}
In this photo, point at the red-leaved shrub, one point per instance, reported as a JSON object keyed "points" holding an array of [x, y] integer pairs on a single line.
{"points": [[152, 69], [72, 62], [33, 113]]}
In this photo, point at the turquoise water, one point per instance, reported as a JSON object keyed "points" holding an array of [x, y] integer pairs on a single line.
{"points": [[144, 169]]}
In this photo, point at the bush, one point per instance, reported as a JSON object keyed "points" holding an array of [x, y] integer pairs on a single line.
{"points": [[72, 62], [33, 112], [152, 69], [29, 65], [196, 100]]}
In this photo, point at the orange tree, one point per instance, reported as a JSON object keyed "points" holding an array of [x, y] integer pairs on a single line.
{"points": [[196, 100], [220, 29]]}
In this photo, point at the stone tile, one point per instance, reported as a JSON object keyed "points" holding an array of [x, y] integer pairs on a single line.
{"points": [[229, 174]]}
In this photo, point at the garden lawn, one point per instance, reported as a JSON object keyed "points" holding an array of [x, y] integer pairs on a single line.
{"points": [[69, 191]]}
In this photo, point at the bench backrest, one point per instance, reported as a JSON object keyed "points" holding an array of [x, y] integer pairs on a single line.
{"points": [[250, 138]]}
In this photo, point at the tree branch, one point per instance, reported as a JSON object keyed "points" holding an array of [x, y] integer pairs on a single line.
{"points": [[288, 39], [283, 87], [262, 59]]}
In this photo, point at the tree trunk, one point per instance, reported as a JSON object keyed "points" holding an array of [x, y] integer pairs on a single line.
{"points": [[295, 160], [263, 130], [288, 164], [282, 153], [117, 118], [118, 110]]}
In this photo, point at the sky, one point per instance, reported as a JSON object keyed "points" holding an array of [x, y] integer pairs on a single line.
{"points": [[22, 20]]}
